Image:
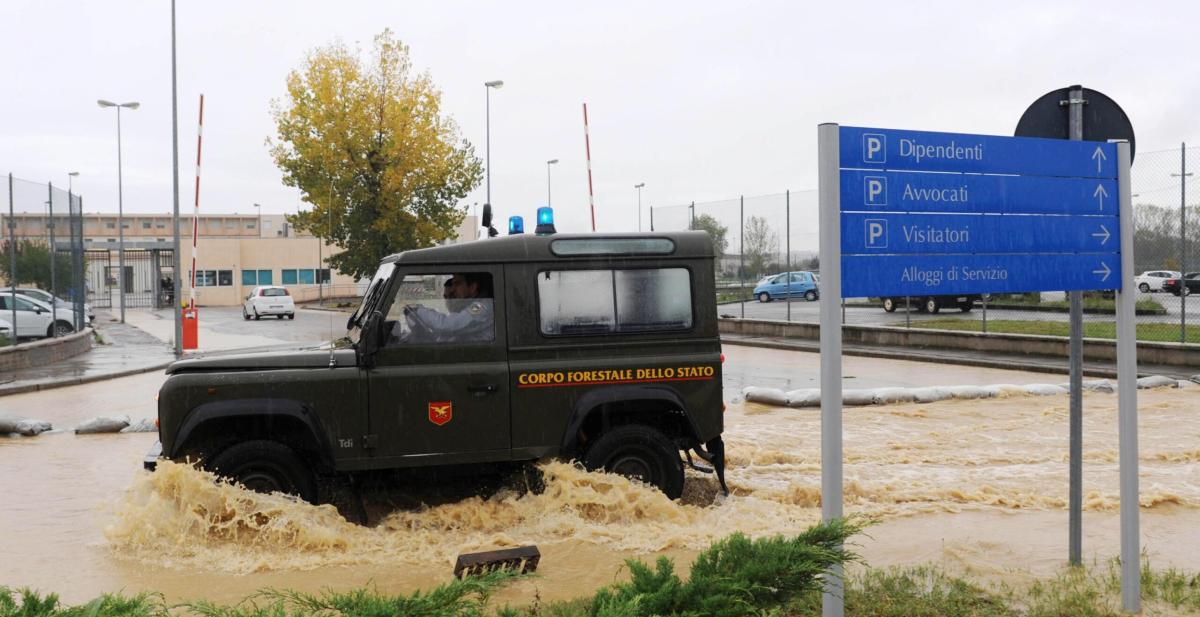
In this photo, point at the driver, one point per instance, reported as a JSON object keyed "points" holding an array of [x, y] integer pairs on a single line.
{"points": [[469, 298]]}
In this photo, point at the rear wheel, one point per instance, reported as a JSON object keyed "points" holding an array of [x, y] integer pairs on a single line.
{"points": [[764, 297], [889, 305], [245, 315], [932, 306], [1185, 290], [60, 328], [279, 316], [1144, 287], [640, 453], [966, 306], [256, 315], [291, 315], [810, 295], [266, 467]]}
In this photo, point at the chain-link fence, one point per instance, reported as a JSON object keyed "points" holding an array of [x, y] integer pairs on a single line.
{"points": [[42, 262], [760, 238]]}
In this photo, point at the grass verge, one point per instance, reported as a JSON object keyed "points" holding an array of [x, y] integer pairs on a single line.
{"points": [[1154, 332]]}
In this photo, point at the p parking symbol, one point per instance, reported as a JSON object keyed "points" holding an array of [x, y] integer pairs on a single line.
{"points": [[874, 147], [876, 233], [875, 190]]}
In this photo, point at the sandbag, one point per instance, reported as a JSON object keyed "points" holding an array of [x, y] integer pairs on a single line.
{"points": [[968, 392], [766, 396], [1157, 381], [102, 424], [887, 396], [145, 425], [27, 427], [858, 397], [1044, 389], [805, 397], [930, 395]]}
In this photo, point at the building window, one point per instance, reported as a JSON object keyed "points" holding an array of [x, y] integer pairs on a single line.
{"points": [[160, 225], [265, 278], [249, 278], [287, 277], [206, 278], [145, 224], [110, 225], [323, 276], [124, 225], [306, 277], [231, 224], [225, 278], [250, 225]]}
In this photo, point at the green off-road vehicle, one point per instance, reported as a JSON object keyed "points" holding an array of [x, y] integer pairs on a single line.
{"points": [[598, 348]]}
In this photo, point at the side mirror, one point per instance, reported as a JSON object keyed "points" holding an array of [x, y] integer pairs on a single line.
{"points": [[371, 335], [487, 221]]}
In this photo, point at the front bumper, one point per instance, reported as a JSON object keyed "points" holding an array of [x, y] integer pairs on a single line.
{"points": [[150, 462]]}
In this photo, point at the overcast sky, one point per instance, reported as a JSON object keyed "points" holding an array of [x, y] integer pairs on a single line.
{"points": [[699, 100]]}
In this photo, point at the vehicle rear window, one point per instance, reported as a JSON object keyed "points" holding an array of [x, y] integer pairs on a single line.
{"points": [[579, 302], [612, 246], [274, 291]]}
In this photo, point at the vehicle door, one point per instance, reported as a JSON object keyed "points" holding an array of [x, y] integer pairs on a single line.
{"points": [[799, 283], [31, 319], [438, 390]]}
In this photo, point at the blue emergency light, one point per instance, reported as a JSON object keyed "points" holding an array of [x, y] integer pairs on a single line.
{"points": [[516, 225], [545, 221]]}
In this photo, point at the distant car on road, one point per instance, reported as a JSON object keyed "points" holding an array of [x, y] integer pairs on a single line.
{"points": [[45, 297], [34, 318], [269, 300], [1152, 280], [1186, 285], [799, 284], [931, 304]]}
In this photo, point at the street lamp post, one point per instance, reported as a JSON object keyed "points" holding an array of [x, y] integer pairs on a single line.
{"points": [[120, 203], [639, 186], [488, 85], [77, 295], [548, 164]]}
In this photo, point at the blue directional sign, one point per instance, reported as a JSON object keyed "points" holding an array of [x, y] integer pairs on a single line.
{"points": [[879, 191], [927, 275], [863, 148], [926, 213], [890, 233]]}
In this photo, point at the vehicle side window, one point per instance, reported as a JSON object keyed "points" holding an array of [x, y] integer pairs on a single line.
{"points": [[574, 302], [24, 305], [440, 309]]}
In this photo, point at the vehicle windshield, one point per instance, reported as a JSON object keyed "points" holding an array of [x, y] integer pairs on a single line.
{"points": [[370, 300]]}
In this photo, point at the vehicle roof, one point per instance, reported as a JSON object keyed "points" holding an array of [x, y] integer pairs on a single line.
{"points": [[531, 247]]}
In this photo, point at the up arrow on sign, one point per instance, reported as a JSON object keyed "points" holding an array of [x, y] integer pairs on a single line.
{"points": [[1100, 193], [1099, 157]]}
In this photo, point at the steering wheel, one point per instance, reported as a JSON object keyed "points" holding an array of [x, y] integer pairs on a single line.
{"points": [[420, 329]]}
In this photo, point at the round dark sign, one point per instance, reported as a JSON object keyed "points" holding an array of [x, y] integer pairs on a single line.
{"points": [[1103, 119]]}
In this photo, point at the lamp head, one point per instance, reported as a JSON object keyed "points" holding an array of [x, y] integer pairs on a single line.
{"points": [[639, 185], [131, 105], [494, 84], [104, 103], [73, 174], [552, 162]]}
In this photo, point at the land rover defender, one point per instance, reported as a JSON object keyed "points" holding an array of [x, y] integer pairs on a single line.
{"points": [[597, 348]]}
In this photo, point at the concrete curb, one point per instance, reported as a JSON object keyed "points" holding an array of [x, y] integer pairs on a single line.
{"points": [[75, 381]]}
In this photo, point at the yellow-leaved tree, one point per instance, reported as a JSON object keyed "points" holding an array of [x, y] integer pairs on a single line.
{"points": [[368, 147]]}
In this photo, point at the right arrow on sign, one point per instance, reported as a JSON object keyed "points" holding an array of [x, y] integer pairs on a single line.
{"points": [[1099, 157], [1105, 272], [1102, 234], [1100, 194]]}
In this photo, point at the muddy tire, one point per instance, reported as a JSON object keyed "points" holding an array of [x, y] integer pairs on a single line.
{"points": [[641, 453], [266, 467]]}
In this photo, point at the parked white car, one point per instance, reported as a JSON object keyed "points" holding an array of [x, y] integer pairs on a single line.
{"points": [[269, 300], [1152, 280], [6, 329], [44, 296], [34, 318]]}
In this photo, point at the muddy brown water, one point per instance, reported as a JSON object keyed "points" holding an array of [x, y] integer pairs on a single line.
{"points": [[976, 486]]}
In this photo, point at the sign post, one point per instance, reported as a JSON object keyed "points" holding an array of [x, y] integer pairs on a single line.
{"points": [[914, 213]]}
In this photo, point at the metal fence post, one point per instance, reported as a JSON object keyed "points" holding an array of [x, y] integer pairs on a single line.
{"points": [[12, 259], [1183, 174], [741, 251], [53, 278], [651, 218], [787, 232]]}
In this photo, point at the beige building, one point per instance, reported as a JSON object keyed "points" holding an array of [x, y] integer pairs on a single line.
{"points": [[234, 253]]}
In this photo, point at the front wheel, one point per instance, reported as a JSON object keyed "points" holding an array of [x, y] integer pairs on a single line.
{"points": [[932, 306], [1144, 288], [966, 306], [266, 467], [764, 297], [889, 305], [1185, 290], [60, 328], [245, 315], [810, 295], [256, 315], [640, 453]]}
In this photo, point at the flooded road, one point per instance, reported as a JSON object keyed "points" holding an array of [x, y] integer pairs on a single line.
{"points": [[976, 486]]}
